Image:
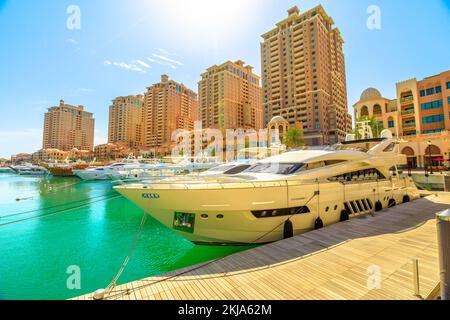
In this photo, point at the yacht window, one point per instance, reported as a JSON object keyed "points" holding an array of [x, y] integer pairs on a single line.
{"points": [[316, 165], [390, 147], [393, 171], [237, 169], [332, 162], [359, 176], [280, 212], [276, 168]]}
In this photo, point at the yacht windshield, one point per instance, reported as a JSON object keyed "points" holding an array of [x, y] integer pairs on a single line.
{"points": [[275, 168]]}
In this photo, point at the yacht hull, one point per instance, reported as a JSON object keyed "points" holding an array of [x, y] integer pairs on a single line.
{"points": [[90, 175], [251, 213]]}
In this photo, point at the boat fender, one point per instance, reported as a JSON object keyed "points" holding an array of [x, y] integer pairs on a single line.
{"points": [[378, 206], [344, 215], [288, 230], [318, 224]]}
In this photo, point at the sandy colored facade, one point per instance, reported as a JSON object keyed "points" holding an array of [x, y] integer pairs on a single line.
{"points": [[420, 115], [67, 127], [303, 76], [230, 97], [126, 121], [168, 106], [112, 151]]}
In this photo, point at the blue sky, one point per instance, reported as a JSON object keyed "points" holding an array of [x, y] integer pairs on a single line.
{"points": [[124, 46]]}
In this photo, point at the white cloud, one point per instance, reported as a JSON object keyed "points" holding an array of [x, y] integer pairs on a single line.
{"points": [[167, 59], [133, 66], [142, 63], [163, 51], [154, 61]]}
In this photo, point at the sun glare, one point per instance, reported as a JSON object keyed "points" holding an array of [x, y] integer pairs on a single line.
{"points": [[205, 22]]}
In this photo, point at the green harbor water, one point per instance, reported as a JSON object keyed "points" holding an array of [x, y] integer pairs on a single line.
{"points": [[64, 222]]}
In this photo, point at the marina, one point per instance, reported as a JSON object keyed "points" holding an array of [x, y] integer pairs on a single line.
{"points": [[48, 224], [334, 263]]}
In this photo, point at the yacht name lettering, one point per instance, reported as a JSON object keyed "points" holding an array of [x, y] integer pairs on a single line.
{"points": [[150, 196]]}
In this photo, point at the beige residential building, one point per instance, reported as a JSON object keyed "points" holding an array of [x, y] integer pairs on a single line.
{"points": [[67, 127], [126, 121], [419, 114], [168, 106], [303, 76], [230, 97]]}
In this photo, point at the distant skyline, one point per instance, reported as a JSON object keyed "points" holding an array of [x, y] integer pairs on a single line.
{"points": [[123, 47]]}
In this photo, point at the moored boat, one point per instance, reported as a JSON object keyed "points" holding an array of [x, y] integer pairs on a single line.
{"points": [[64, 170], [30, 170], [280, 196]]}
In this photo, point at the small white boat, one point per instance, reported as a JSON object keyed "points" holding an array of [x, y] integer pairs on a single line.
{"points": [[104, 173], [6, 170], [30, 170]]}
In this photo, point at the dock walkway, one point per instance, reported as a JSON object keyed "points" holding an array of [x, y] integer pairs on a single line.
{"points": [[366, 258]]}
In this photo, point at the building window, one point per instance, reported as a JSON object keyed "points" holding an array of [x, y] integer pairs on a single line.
{"points": [[432, 105], [448, 85], [438, 89], [422, 93], [391, 124], [432, 131], [430, 91], [433, 119]]}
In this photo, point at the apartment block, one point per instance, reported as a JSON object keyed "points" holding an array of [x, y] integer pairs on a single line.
{"points": [[168, 106], [126, 121], [304, 78], [67, 127], [420, 114], [230, 97]]}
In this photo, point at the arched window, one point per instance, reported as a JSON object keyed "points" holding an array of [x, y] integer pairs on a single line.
{"points": [[409, 152], [364, 111], [377, 110]]}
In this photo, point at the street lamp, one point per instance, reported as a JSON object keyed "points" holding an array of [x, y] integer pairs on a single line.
{"points": [[429, 153]]}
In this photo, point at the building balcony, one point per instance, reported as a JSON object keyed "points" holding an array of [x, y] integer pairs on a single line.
{"points": [[408, 113], [407, 99], [409, 126]]}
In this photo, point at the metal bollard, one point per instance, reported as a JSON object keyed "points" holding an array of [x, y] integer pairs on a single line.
{"points": [[416, 278], [443, 229]]}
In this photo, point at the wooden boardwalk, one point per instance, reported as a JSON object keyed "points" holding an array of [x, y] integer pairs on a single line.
{"points": [[365, 258]]}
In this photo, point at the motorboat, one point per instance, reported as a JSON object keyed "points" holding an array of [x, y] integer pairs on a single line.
{"points": [[6, 170], [30, 170], [103, 172], [280, 196]]}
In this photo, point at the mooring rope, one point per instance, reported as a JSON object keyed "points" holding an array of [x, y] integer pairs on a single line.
{"points": [[113, 283], [110, 288]]}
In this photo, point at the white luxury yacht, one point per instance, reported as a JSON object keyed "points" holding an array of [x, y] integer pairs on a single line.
{"points": [[280, 196], [102, 173]]}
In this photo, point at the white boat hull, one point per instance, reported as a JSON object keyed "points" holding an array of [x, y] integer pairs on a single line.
{"points": [[90, 175], [227, 214]]}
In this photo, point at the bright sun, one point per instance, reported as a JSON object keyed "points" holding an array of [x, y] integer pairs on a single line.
{"points": [[205, 21]]}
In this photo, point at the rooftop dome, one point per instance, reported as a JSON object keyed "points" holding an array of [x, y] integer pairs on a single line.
{"points": [[278, 119], [370, 94]]}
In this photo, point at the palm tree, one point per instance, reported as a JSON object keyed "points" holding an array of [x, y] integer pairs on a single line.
{"points": [[375, 125], [294, 138]]}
